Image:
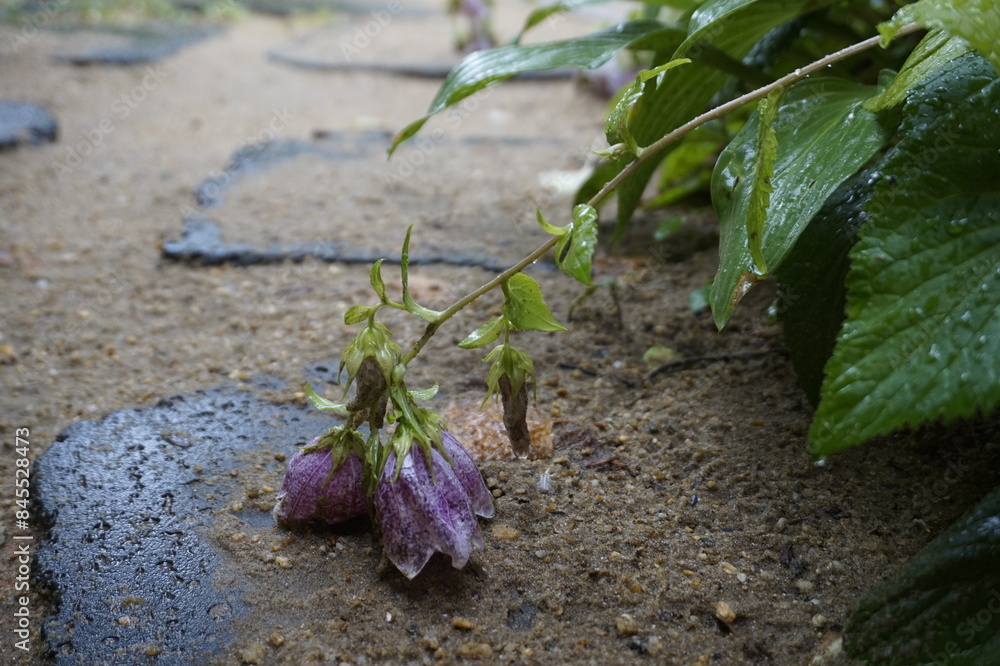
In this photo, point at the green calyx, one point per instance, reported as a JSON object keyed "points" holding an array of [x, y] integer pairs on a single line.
{"points": [[374, 341], [511, 363], [341, 440]]}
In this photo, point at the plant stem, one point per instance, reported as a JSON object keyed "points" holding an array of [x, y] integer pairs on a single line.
{"points": [[649, 153]]}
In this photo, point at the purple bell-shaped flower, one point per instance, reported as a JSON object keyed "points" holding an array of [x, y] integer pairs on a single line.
{"points": [[313, 491]]}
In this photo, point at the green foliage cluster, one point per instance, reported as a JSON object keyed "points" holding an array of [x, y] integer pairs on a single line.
{"points": [[866, 183]]}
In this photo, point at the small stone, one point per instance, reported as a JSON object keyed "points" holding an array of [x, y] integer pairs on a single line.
{"points": [[279, 456], [818, 621], [728, 568], [277, 640], [804, 586], [505, 532], [152, 650], [283, 562], [462, 624], [780, 525], [475, 651], [626, 625], [253, 654], [724, 612]]}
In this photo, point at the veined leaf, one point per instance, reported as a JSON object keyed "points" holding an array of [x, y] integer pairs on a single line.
{"points": [[524, 306], [942, 607], [826, 135], [933, 51], [922, 334], [975, 21], [483, 68], [357, 314], [760, 178], [484, 335], [731, 26], [424, 394], [575, 250]]}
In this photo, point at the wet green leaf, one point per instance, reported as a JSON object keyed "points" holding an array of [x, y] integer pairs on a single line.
{"points": [[933, 51], [484, 335], [575, 251], [760, 178], [825, 135], [524, 306], [483, 68], [357, 314], [944, 606], [975, 21], [616, 128], [424, 394], [922, 333]]}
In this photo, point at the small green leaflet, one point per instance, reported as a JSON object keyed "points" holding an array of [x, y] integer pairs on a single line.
{"points": [[404, 268], [975, 21], [616, 127], [524, 307], [484, 335], [551, 228], [376, 280], [357, 314], [763, 171], [424, 394], [574, 251], [319, 402]]}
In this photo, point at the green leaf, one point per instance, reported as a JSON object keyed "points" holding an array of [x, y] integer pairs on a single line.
{"points": [[731, 26], [484, 335], [933, 51], [483, 68], [922, 334], [551, 228], [575, 251], [811, 292], [524, 307], [424, 394], [404, 268], [357, 314], [944, 606], [760, 178], [376, 281], [975, 21], [616, 127], [319, 402], [826, 135]]}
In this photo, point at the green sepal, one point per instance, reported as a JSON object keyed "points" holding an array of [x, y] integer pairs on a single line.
{"points": [[515, 365], [485, 334], [341, 440], [524, 307], [409, 304], [321, 403], [373, 340], [357, 314]]}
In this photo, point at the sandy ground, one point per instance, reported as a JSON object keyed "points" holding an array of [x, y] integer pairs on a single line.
{"points": [[667, 495]]}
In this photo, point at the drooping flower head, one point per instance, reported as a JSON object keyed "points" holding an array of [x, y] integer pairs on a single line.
{"points": [[426, 503], [323, 481]]}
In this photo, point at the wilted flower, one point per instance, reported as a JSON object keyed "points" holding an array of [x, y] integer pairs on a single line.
{"points": [[314, 491], [429, 504]]}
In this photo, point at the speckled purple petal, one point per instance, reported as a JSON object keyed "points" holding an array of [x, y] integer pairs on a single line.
{"points": [[419, 517], [469, 476], [306, 496]]}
